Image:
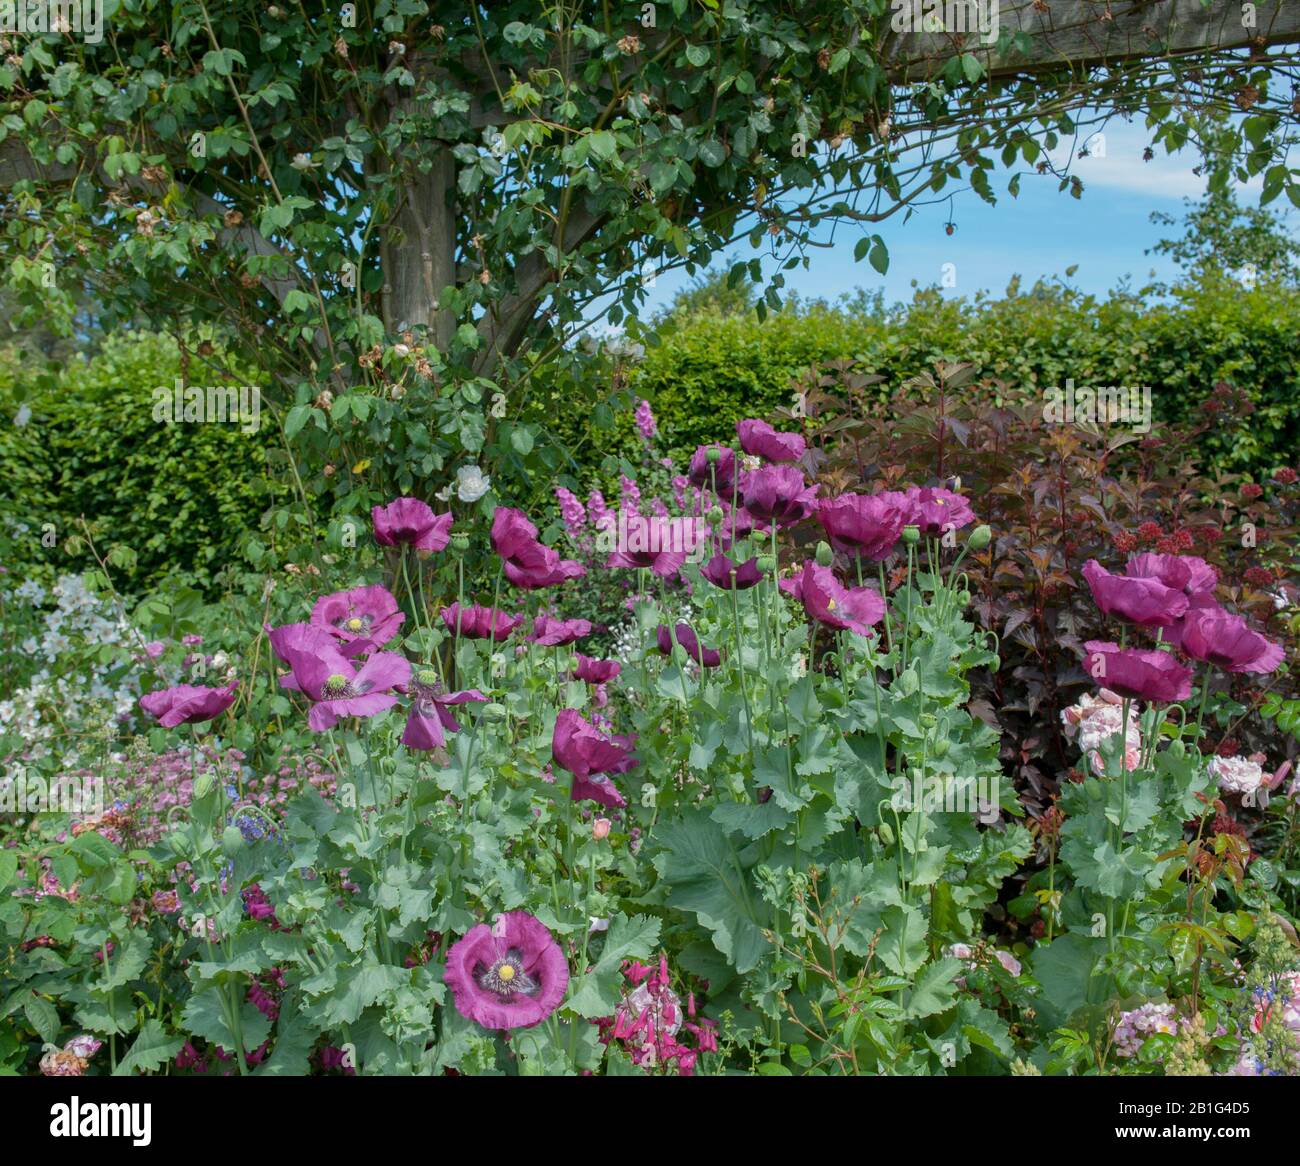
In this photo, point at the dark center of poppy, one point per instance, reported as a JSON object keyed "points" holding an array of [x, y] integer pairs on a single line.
{"points": [[506, 976], [336, 686]]}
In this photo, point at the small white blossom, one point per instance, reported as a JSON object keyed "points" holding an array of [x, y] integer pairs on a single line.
{"points": [[471, 483]]}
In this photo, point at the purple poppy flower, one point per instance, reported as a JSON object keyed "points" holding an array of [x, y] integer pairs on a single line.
{"points": [[298, 637], [337, 688], [704, 474], [777, 494], [705, 657], [931, 509], [1140, 673], [827, 601], [663, 563], [859, 524], [480, 623], [430, 711], [759, 439], [722, 572], [528, 564], [512, 975], [1185, 573], [1225, 640], [410, 522], [555, 633], [594, 671], [1141, 600], [187, 704], [364, 618], [579, 747]]}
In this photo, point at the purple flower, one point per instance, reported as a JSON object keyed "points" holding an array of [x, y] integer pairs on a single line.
{"points": [[645, 420], [931, 509], [480, 623], [702, 472], [1225, 640], [513, 975], [364, 618], [1185, 573], [528, 564], [722, 572], [759, 439], [777, 494], [1139, 673], [579, 747], [430, 711], [410, 522], [298, 637], [187, 704], [571, 510], [827, 601], [1141, 600], [858, 524], [705, 657], [594, 671], [663, 563], [337, 688], [554, 633]]}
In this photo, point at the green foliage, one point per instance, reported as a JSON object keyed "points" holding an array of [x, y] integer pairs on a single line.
{"points": [[712, 369], [180, 495]]}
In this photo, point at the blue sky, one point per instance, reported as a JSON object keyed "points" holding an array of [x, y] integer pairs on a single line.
{"points": [[1039, 234]]}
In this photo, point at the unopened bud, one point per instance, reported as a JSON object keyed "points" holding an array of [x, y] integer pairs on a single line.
{"points": [[600, 829], [715, 517], [980, 537], [825, 556]]}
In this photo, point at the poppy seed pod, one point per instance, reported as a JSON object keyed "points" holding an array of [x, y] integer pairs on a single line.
{"points": [[767, 564], [911, 534]]}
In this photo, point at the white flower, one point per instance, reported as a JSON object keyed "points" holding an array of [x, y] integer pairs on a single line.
{"points": [[471, 483], [1236, 775], [23, 416], [303, 162]]}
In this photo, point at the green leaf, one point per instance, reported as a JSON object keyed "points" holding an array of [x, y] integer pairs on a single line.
{"points": [[43, 1017], [705, 875], [934, 990], [902, 946], [150, 1049]]}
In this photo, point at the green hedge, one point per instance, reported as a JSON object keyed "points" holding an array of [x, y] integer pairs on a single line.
{"points": [[181, 496], [712, 370]]}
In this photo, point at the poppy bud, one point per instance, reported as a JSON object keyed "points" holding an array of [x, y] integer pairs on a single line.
{"points": [[980, 537], [825, 556], [715, 516], [1177, 748], [886, 833], [600, 829], [232, 841]]}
